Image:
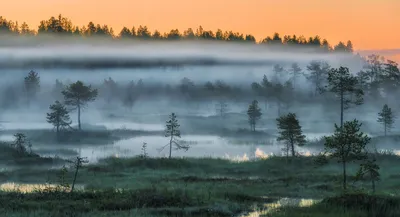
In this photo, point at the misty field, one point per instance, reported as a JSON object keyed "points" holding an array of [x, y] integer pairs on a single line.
{"points": [[190, 187], [121, 127]]}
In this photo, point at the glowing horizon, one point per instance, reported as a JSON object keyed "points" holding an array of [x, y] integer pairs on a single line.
{"points": [[369, 24]]}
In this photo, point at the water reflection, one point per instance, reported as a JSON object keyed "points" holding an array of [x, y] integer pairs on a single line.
{"points": [[28, 188], [200, 146], [283, 202]]}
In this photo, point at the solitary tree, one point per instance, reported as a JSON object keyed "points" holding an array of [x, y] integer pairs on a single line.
{"points": [[20, 143], [295, 71], [77, 95], [58, 117], [78, 163], [172, 131], [386, 118], [370, 169], [347, 144], [344, 86], [290, 132], [144, 150], [32, 85], [254, 113]]}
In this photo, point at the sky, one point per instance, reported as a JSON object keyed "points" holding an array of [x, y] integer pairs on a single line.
{"points": [[369, 24]]}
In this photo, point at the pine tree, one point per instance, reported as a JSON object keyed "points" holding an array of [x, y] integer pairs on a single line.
{"points": [[295, 71], [290, 132], [386, 118], [32, 85], [20, 142], [345, 87], [254, 113], [77, 95], [78, 163], [58, 117], [144, 150], [264, 89], [371, 169], [172, 131], [318, 74], [347, 144]]}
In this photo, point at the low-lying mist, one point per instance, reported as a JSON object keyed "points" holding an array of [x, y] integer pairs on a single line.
{"points": [[209, 85]]}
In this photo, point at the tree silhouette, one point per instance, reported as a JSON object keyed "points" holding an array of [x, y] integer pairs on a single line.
{"points": [[78, 163], [20, 143], [345, 87], [110, 90], [254, 113], [77, 95], [295, 72], [371, 169], [290, 132], [347, 144], [318, 74], [62, 26], [32, 85], [131, 95], [278, 73], [386, 118], [172, 131], [58, 117]]}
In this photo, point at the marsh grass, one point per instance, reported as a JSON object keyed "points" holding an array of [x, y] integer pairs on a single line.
{"points": [[9, 156], [348, 205], [194, 186]]}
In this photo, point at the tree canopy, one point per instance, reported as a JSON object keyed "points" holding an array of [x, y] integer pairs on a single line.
{"points": [[63, 26]]}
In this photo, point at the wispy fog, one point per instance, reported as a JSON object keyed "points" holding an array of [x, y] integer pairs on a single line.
{"points": [[157, 70]]}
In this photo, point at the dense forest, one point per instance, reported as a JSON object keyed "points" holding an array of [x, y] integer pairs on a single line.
{"points": [[63, 26]]}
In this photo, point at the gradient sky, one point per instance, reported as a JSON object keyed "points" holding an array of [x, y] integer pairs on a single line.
{"points": [[370, 24]]}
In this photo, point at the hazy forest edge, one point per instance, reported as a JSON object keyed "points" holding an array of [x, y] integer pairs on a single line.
{"points": [[62, 26]]}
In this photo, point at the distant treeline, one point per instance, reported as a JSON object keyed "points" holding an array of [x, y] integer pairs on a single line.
{"points": [[63, 26]]}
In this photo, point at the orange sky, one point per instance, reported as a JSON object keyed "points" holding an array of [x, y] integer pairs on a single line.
{"points": [[370, 24]]}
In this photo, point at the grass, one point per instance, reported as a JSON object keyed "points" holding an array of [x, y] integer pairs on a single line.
{"points": [[191, 186], [348, 205], [10, 157]]}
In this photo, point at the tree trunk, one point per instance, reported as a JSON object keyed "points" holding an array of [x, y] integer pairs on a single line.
{"points": [[292, 145], [287, 152], [76, 174], [344, 175], [341, 107], [58, 132], [79, 117], [170, 142], [385, 128], [373, 186]]}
